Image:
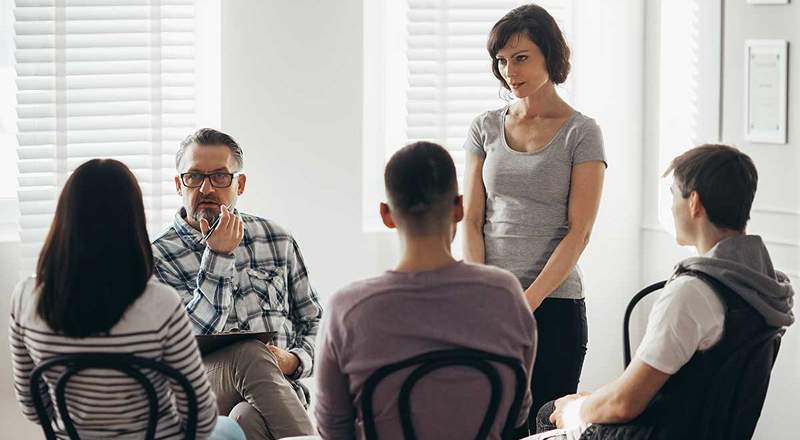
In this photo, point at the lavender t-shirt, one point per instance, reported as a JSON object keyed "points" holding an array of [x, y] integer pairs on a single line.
{"points": [[527, 194], [398, 315]]}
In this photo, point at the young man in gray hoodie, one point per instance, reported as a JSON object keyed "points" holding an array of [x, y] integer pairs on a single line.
{"points": [[714, 304]]}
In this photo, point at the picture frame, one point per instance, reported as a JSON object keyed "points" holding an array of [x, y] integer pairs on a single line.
{"points": [[767, 2], [765, 90]]}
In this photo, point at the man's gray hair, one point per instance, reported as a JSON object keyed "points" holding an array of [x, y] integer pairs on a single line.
{"points": [[209, 136]]}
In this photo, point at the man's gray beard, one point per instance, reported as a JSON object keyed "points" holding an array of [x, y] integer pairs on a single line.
{"points": [[207, 214]]}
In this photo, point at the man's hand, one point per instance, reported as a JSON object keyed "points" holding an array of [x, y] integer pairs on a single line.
{"points": [[287, 361], [563, 415], [228, 234]]}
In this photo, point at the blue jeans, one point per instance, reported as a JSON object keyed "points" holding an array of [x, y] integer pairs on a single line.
{"points": [[226, 429]]}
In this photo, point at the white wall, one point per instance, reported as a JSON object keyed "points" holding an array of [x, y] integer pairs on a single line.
{"points": [[291, 96], [776, 210]]}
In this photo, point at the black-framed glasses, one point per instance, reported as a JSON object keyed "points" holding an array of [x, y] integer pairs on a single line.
{"points": [[218, 180]]}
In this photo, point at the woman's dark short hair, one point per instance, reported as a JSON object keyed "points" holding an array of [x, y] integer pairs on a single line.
{"points": [[723, 177], [97, 259], [209, 136], [421, 184], [535, 22]]}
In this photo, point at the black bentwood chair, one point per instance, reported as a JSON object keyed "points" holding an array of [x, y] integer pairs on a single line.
{"points": [[125, 363], [435, 360]]}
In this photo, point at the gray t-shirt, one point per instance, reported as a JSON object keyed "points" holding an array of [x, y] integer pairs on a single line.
{"points": [[527, 194]]}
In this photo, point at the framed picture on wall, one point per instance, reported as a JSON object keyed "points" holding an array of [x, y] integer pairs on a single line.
{"points": [[765, 85], [767, 2]]}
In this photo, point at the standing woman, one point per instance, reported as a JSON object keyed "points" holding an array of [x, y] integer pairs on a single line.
{"points": [[94, 292], [534, 177]]}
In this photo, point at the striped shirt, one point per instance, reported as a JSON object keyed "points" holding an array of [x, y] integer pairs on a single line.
{"points": [[262, 285], [105, 403]]}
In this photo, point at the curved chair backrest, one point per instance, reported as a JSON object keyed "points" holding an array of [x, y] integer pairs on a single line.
{"points": [[125, 363], [737, 392], [626, 331], [432, 361]]}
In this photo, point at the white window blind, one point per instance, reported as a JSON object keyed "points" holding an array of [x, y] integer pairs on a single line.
{"points": [[100, 78], [449, 70]]}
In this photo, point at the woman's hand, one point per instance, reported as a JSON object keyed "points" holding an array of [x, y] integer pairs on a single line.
{"points": [[534, 298]]}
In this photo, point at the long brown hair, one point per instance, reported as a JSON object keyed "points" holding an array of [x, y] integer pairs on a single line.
{"points": [[97, 259]]}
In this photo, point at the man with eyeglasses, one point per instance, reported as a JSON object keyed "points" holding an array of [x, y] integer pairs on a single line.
{"points": [[240, 272]]}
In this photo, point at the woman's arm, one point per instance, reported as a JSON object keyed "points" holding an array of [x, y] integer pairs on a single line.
{"points": [[21, 361], [474, 209], [586, 187]]}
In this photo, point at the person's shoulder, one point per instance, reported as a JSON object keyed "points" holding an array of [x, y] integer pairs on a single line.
{"points": [[166, 234], [264, 227], [159, 298], [354, 292], [23, 295], [491, 276], [358, 296], [167, 243], [489, 118], [585, 125], [687, 291]]}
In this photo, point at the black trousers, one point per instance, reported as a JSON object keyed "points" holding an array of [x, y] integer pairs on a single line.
{"points": [[563, 335]]}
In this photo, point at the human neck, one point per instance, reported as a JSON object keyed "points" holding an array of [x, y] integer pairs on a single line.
{"points": [[544, 103], [710, 235], [424, 253], [193, 223]]}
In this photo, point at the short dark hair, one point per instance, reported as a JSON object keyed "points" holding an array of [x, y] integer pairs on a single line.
{"points": [[535, 22], [97, 259], [421, 185], [209, 136], [723, 177]]}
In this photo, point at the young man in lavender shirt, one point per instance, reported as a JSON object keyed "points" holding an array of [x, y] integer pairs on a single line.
{"points": [[428, 302]]}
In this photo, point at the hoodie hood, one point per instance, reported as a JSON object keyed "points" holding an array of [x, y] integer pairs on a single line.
{"points": [[742, 264]]}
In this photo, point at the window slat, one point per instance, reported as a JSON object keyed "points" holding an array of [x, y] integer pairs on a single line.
{"points": [[100, 78]]}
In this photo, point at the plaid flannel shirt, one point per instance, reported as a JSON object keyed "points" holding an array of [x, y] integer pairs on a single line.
{"points": [[262, 286]]}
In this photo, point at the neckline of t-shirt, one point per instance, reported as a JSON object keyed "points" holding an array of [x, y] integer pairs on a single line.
{"points": [[541, 150], [424, 273]]}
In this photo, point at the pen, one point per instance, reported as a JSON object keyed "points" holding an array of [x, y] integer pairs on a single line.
{"points": [[211, 229]]}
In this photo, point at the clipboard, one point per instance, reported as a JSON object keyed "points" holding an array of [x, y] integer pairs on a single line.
{"points": [[213, 342]]}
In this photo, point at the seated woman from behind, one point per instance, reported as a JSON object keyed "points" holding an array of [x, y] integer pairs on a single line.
{"points": [[93, 293]]}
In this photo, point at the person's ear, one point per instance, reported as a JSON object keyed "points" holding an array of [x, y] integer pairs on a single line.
{"points": [[458, 209], [386, 216], [696, 208], [241, 179], [178, 185]]}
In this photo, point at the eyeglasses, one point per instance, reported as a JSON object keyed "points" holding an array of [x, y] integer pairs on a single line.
{"points": [[218, 180]]}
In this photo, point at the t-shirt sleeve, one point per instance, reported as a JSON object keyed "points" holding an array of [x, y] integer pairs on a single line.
{"points": [[686, 318], [475, 138], [590, 144]]}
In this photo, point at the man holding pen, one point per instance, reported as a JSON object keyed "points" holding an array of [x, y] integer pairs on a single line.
{"points": [[240, 272]]}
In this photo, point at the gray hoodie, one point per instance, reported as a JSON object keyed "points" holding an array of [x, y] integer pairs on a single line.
{"points": [[742, 264]]}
